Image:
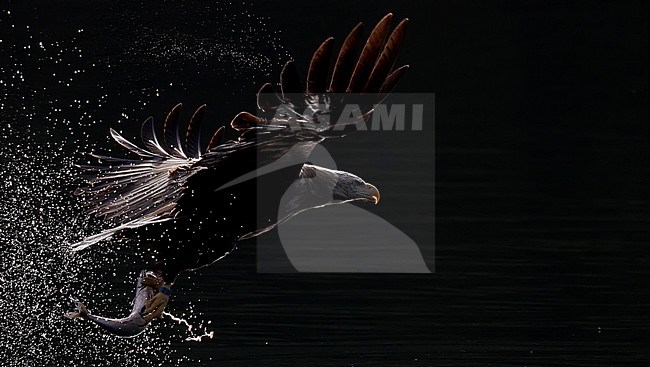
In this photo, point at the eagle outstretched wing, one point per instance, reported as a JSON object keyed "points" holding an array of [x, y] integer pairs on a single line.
{"points": [[361, 79], [131, 193]]}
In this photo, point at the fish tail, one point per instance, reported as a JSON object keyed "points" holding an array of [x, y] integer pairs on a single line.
{"points": [[81, 312]]}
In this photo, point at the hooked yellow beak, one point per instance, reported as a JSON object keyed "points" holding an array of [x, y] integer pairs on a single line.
{"points": [[373, 192]]}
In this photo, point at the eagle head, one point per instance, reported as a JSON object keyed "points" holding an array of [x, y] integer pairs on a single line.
{"points": [[351, 187], [324, 186]]}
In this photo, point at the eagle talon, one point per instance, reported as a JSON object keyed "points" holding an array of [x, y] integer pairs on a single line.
{"points": [[156, 306], [152, 282]]}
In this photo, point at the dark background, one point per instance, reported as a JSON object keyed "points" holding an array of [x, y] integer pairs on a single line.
{"points": [[541, 199]]}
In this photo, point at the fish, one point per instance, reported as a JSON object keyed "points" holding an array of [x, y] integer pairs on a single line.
{"points": [[129, 326]]}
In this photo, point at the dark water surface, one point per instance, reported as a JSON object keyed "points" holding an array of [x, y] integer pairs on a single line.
{"points": [[540, 243]]}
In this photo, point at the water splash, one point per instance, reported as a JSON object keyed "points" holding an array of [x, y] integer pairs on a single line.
{"points": [[66, 90], [193, 336]]}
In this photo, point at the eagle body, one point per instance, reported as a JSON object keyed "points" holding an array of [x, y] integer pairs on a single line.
{"points": [[203, 232], [188, 204]]}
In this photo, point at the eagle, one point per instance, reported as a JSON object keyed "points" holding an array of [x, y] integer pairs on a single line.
{"points": [[188, 204]]}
